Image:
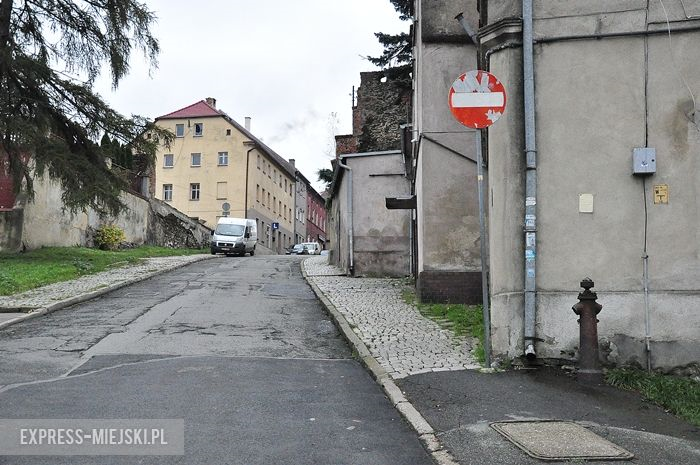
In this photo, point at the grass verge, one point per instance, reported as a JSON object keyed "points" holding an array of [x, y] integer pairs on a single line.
{"points": [[680, 396], [20, 272], [464, 320]]}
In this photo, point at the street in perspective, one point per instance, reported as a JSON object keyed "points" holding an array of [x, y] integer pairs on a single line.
{"points": [[240, 349], [378, 232]]}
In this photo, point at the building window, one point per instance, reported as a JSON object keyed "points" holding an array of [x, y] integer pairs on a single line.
{"points": [[280, 207], [264, 168], [194, 191], [179, 130], [228, 132], [258, 161], [168, 160], [196, 159], [268, 199], [198, 129], [257, 193], [167, 192], [274, 204], [223, 158], [285, 185], [263, 197], [221, 190]]}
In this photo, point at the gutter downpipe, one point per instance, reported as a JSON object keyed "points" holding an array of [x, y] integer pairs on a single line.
{"points": [[252, 146], [530, 313], [351, 252]]}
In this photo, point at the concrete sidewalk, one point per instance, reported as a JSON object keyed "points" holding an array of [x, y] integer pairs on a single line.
{"points": [[42, 300], [432, 379]]}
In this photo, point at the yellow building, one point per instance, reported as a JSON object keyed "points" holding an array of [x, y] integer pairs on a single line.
{"points": [[215, 167]]}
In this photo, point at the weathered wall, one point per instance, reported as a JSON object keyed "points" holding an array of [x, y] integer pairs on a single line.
{"points": [[381, 237], [586, 147], [507, 210], [449, 261], [44, 222], [344, 144], [338, 224], [383, 105], [169, 227], [11, 230]]}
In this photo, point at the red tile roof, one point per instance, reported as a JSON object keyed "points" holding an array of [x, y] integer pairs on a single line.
{"points": [[196, 110]]}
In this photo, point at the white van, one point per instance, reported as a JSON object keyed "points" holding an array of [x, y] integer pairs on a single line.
{"points": [[234, 236]]}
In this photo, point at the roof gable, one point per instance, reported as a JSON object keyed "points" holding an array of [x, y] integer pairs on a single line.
{"points": [[196, 110], [203, 109]]}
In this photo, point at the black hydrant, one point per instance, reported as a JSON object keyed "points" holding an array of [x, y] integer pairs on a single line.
{"points": [[587, 309]]}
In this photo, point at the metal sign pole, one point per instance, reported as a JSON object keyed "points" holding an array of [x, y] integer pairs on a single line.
{"points": [[477, 99], [484, 260]]}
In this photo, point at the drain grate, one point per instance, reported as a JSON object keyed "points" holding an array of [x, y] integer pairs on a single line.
{"points": [[559, 440]]}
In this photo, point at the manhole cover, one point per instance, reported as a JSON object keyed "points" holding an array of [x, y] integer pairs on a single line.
{"points": [[559, 440]]}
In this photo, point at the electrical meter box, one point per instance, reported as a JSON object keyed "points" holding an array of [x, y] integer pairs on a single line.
{"points": [[644, 161]]}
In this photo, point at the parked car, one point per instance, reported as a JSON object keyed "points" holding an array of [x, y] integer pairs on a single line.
{"points": [[314, 248], [306, 248]]}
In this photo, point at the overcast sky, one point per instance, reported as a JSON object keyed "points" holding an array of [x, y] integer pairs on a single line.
{"points": [[289, 65]]}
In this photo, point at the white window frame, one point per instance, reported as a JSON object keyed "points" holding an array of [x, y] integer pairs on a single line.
{"points": [[223, 155], [165, 160], [192, 159], [198, 129], [195, 191], [168, 192], [179, 133]]}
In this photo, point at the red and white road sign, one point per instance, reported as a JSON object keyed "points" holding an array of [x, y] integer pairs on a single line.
{"points": [[477, 99]]}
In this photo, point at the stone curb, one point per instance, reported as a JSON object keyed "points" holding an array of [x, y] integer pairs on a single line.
{"points": [[426, 434], [96, 293]]}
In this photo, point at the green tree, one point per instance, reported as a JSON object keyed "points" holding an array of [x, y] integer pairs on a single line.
{"points": [[325, 175], [51, 51], [397, 55]]}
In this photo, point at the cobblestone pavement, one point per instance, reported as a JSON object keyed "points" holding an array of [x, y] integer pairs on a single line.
{"points": [[402, 340], [52, 293]]}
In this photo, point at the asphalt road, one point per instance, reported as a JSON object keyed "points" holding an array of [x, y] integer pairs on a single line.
{"points": [[239, 348], [460, 405]]}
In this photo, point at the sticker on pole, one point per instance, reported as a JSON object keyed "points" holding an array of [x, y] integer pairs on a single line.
{"points": [[477, 99]]}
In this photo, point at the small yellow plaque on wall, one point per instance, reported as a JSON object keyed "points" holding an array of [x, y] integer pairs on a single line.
{"points": [[585, 203], [660, 193]]}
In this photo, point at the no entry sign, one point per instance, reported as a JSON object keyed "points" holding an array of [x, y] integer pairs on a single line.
{"points": [[477, 99]]}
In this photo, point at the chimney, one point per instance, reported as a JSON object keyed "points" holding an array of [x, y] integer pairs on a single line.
{"points": [[291, 162], [211, 101], [247, 123]]}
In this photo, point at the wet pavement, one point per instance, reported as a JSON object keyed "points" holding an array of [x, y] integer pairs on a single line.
{"points": [[238, 347], [461, 405]]}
